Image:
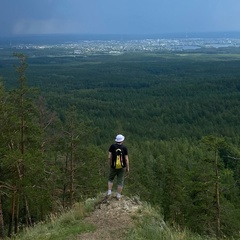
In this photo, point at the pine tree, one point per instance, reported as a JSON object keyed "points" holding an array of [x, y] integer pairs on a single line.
{"points": [[21, 161]]}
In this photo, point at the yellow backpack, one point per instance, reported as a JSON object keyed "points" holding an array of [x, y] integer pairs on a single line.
{"points": [[119, 158]]}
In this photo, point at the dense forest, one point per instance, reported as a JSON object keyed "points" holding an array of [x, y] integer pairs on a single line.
{"points": [[179, 112]]}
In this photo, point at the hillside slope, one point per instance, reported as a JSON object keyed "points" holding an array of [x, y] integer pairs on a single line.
{"points": [[107, 219], [112, 218], [131, 219]]}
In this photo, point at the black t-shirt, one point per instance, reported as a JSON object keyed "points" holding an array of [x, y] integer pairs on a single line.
{"points": [[113, 148]]}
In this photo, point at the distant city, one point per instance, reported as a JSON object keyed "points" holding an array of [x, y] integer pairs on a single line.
{"points": [[119, 44]]}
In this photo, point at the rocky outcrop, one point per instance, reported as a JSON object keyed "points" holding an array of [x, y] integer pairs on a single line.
{"points": [[112, 218]]}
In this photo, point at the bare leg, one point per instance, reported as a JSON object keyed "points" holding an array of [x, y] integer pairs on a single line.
{"points": [[110, 185], [119, 189]]}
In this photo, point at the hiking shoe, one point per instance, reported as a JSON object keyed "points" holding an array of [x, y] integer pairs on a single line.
{"points": [[106, 199], [118, 197]]}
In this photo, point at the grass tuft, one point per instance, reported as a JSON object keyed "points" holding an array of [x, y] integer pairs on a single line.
{"points": [[66, 225], [149, 225]]}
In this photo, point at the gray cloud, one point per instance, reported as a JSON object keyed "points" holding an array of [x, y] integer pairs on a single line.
{"points": [[125, 16]]}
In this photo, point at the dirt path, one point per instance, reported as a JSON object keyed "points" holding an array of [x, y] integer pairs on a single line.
{"points": [[112, 218]]}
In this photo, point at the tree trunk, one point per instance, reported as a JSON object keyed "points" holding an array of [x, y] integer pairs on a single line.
{"points": [[2, 232], [28, 215], [71, 176], [217, 199], [12, 214]]}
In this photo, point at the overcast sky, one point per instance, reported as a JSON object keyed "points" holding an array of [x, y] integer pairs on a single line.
{"points": [[118, 16]]}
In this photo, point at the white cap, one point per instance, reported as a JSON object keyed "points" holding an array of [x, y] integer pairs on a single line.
{"points": [[119, 138]]}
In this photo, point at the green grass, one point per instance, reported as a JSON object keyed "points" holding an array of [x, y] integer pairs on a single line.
{"points": [[150, 225], [66, 225]]}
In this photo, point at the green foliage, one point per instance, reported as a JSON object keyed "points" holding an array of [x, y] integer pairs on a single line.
{"points": [[66, 225], [150, 225], [176, 110], [179, 93]]}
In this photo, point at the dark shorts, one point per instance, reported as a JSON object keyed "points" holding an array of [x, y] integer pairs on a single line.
{"points": [[119, 173]]}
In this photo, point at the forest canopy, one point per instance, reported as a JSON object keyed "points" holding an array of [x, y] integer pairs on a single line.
{"points": [[179, 113]]}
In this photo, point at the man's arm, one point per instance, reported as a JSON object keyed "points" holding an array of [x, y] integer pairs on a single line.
{"points": [[127, 163], [110, 158]]}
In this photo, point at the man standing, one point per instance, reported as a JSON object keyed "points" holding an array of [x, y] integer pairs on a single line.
{"points": [[119, 164]]}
